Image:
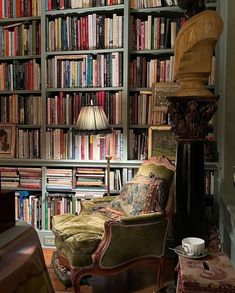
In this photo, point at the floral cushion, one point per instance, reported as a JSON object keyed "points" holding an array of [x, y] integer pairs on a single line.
{"points": [[143, 194]]}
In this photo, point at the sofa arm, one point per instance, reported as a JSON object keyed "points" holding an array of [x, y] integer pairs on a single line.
{"points": [[142, 218]]}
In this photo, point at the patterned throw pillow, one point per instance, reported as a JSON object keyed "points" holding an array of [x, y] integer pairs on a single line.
{"points": [[143, 194]]}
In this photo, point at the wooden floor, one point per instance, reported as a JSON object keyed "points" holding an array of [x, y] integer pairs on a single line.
{"points": [[139, 279]]}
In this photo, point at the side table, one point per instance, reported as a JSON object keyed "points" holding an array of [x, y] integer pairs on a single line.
{"points": [[213, 273], [22, 264]]}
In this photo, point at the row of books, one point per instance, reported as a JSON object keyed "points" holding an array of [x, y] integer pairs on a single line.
{"points": [[85, 32], [20, 109], [141, 108], [138, 4], [154, 32], [65, 144], [13, 177], [20, 75], [60, 203], [63, 109], [138, 144], [66, 4], [28, 144], [20, 39], [115, 182], [19, 8], [145, 70], [101, 70], [29, 109], [9, 109], [28, 208], [145, 111]]}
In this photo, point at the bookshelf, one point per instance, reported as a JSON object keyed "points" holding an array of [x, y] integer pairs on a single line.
{"points": [[102, 56]]}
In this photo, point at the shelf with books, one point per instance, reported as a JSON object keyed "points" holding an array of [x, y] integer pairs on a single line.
{"points": [[151, 60], [20, 9], [20, 38], [20, 84], [20, 178]]}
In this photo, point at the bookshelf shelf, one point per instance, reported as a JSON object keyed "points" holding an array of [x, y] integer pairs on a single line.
{"points": [[23, 57], [20, 92], [153, 52], [86, 10], [21, 20], [82, 52], [158, 10], [125, 131], [84, 89]]}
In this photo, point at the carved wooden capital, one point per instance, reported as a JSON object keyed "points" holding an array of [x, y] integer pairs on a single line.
{"points": [[190, 117]]}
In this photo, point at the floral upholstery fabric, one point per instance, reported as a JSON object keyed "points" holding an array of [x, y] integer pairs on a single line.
{"points": [[143, 194]]}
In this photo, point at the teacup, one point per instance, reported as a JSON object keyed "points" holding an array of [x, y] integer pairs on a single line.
{"points": [[193, 245]]}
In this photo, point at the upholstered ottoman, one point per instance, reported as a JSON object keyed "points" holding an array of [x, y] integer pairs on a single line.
{"points": [[213, 273]]}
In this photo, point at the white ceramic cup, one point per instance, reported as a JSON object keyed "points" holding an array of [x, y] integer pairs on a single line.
{"points": [[193, 245]]}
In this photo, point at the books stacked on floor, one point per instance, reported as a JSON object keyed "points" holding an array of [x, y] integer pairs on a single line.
{"points": [[90, 182], [59, 178]]}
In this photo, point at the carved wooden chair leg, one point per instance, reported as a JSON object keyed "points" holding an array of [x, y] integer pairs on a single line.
{"points": [[76, 276], [160, 270]]}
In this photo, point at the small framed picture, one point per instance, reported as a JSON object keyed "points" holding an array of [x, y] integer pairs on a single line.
{"points": [[161, 141], [7, 140]]}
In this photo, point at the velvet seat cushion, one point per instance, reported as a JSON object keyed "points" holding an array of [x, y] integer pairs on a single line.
{"points": [[77, 237]]}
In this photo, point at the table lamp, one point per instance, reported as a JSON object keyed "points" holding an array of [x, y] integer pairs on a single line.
{"points": [[92, 120]]}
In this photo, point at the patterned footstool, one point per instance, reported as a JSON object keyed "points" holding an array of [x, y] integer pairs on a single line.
{"points": [[213, 273]]}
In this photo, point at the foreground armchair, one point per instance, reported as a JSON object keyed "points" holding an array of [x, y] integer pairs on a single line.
{"points": [[113, 233]]}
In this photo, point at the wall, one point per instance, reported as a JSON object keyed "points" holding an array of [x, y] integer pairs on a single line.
{"points": [[226, 126]]}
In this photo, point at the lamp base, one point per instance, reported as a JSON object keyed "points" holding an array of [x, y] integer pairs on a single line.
{"points": [[108, 158]]}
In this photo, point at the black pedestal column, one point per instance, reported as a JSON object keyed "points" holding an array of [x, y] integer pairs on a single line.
{"points": [[190, 117]]}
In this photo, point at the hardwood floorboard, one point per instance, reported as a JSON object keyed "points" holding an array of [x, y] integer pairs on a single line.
{"points": [[139, 279]]}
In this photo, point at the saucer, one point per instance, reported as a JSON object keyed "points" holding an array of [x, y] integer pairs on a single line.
{"points": [[180, 251]]}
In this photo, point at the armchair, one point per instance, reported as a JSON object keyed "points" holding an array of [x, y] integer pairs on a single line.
{"points": [[111, 234]]}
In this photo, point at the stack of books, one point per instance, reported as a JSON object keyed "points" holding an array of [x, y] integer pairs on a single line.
{"points": [[59, 179], [90, 182]]}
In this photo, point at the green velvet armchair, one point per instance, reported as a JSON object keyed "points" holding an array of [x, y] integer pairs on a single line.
{"points": [[113, 233]]}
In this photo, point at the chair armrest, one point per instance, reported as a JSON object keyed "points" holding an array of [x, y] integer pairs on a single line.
{"points": [[142, 218], [124, 241]]}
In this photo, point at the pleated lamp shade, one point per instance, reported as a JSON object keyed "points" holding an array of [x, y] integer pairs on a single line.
{"points": [[93, 121]]}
